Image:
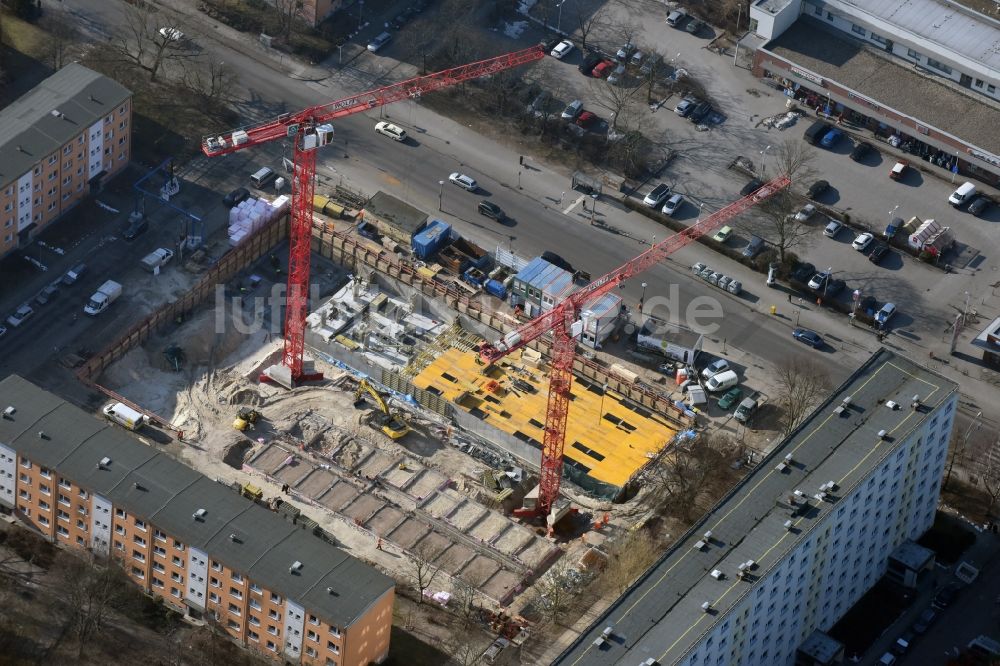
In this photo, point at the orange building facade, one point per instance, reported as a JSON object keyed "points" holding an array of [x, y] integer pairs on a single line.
{"points": [[58, 143], [210, 553]]}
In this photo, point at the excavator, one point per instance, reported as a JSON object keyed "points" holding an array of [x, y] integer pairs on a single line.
{"points": [[391, 424]]}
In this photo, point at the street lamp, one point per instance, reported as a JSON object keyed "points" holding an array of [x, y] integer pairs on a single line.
{"points": [[440, 194], [762, 153], [642, 299], [600, 415], [829, 276], [559, 20], [361, 13]]}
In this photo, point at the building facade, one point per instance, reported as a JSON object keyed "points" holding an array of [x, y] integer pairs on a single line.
{"points": [[205, 550], [800, 539], [937, 85], [58, 143]]}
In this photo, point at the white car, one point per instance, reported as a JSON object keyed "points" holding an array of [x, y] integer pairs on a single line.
{"points": [[561, 49], [807, 211], [862, 241], [463, 181], [21, 315], [657, 196], [394, 132], [673, 203], [381, 40], [171, 34], [714, 368]]}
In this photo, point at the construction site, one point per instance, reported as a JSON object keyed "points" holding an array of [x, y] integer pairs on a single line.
{"points": [[398, 395]]}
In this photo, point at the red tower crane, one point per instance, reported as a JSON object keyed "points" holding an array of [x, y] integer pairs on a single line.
{"points": [[562, 321], [308, 129]]}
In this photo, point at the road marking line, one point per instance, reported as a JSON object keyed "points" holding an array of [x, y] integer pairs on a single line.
{"points": [[573, 205]]}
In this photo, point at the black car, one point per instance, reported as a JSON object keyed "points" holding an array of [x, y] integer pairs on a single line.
{"points": [[754, 247], [811, 338], [135, 229], [694, 26], [802, 272], [946, 596], [924, 622], [834, 287], [818, 188], [235, 197], [589, 63], [861, 149], [491, 210], [751, 187], [549, 43], [878, 253], [556, 260], [699, 112], [979, 205]]}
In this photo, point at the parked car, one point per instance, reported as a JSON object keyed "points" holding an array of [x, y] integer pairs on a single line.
{"points": [[465, 182], [862, 241], [556, 260], [47, 294], [171, 34], [235, 197], [685, 106], [714, 368], [637, 58], [819, 280], [562, 49], [883, 316], [676, 17], [811, 338], [751, 187], [902, 644], [624, 52], [3, 331], [834, 287], [754, 247], [572, 110], [946, 596], [652, 63], [730, 398], [394, 132], [135, 229], [491, 210], [694, 26], [734, 287], [898, 170], [616, 76], [602, 69], [589, 62], [818, 188], [537, 106], [381, 40], [831, 138], [723, 234], [697, 268], [979, 205], [673, 203], [861, 150], [924, 622], [878, 253], [746, 410], [657, 195], [805, 213], [586, 119], [21, 315], [832, 229], [700, 112], [549, 43], [802, 272]]}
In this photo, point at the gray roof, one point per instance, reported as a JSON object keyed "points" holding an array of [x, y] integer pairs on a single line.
{"points": [[396, 212], [821, 647], [810, 45], [660, 616], [958, 30], [242, 535], [912, 555], [29, 129]]}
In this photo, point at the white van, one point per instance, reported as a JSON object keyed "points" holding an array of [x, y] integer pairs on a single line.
{"points": [[124, 415], [963, 194], [263, 177], [722, 381]]}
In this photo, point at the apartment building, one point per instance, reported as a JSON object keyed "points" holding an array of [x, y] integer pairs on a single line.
{"points": [[793, 546], [208, 552], [925, 70], [59, 142]]}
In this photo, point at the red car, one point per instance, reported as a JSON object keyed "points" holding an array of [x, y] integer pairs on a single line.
{"points": [[602, 69], [586, 119]]}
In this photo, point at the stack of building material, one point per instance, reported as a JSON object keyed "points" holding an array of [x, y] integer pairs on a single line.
{"points": [[250, 215]]}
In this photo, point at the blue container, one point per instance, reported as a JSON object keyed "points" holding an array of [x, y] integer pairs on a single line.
{"points": [[432, 238], [495, 288]]}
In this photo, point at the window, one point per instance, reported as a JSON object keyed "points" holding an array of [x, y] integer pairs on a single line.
{"points": [[913, 54], [215, 582], [177, 561], [213, 597], [234, 625], [275, 598], [162, 552], [157, 583], [254, 620], [119, 545], [270, 646], [178, 545], [159, 567], [940, 66], [159, 536], [176, 577], [62, 515], [63, 483], [216, 566], [235, 592], [335, 632], [43, 505], [138, 573], [273, 630], [62, 531], [818, 10], [310, 652], [139, 540], [45, 489], [234, 609], [313, 636], [979, 83], [991, 89], [254, 587], [254, 603], [878, 38], [273, 614], [332, 647], [137, 555], [25, 463], [141, 524], [120, 513], [254, 636], [236, 578], [858, 30]]}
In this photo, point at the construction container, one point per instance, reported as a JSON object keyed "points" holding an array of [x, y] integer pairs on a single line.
{"points": [[495, 288], [453, 260], [431, 239], [474, 276], [479, 257]]}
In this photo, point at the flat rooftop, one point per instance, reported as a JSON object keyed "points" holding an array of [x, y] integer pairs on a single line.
{"points": [[610, 439], [885, 80], [661, 615]]}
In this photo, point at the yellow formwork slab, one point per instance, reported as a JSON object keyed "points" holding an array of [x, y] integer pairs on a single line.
{"points": [[604, 435]]}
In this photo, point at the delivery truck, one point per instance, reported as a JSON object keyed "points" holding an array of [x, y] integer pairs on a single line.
{"points": [[105, 295], [124, 415]]}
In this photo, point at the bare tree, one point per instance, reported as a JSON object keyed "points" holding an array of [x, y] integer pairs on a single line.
{"points": [[466, 650], [619, 100], [775, 222], [628, 557], [689, 473], [586, 21], [464, 600], [959, 445], [423, 569], [989, 474], [793, 160], [801, 385], [147, 46], [213, 82], [557, 590], [288, 11], [90, 591]]}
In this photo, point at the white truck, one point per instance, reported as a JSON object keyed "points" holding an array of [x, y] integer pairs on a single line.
{"points": [[105, 295], [157, 259]]}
